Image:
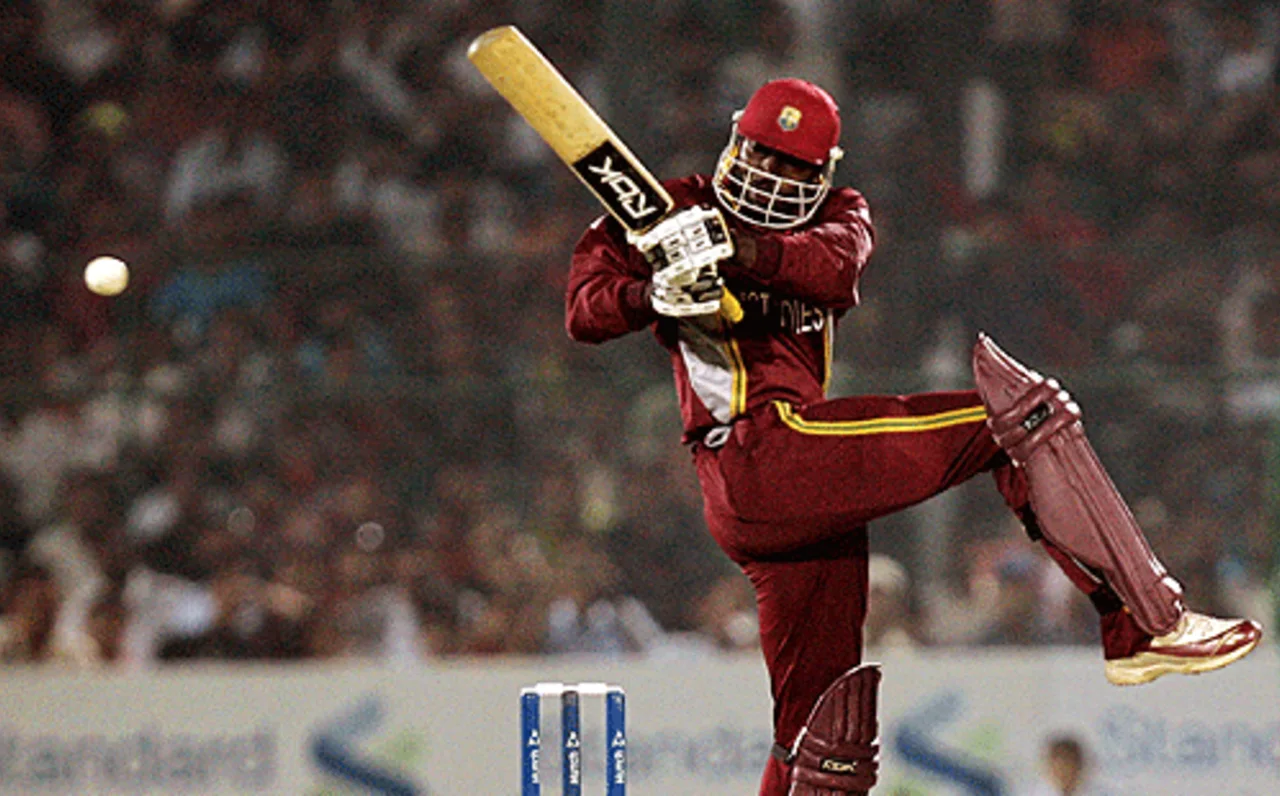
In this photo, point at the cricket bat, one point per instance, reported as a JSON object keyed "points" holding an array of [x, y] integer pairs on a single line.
{"points": [[533, 86]]}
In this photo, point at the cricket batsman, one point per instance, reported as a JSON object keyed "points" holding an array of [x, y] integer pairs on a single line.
{"points": [[790, 478]]}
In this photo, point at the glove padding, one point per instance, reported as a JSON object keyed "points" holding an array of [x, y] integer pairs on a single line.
{"points": [[684, 251], [683, 292]]}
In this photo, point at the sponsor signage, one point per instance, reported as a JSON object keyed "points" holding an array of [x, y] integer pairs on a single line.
{"points": [[950, 722]]}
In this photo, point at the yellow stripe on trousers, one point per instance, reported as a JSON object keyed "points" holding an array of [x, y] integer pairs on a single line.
{"points": [[879, 425]]}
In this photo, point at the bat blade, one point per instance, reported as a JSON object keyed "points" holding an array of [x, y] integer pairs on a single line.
{"points": [[533, 86], [536, 89]]}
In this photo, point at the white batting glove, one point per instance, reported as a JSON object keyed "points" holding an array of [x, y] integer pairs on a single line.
{"points": [[694, 233], [683, 292], [684, 251]]}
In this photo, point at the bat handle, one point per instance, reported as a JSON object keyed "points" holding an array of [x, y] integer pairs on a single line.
{"points": [[730, 309]]}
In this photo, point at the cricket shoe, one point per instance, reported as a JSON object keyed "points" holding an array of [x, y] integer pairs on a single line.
{"points": [[1197, 644]]}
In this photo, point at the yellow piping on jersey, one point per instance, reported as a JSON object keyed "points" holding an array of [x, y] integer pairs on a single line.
{"points": [[828, 347], [738, 398], [878, 425]]}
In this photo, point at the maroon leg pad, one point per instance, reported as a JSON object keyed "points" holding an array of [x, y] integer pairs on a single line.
{"points": [[838, 751], [1075, 502]]}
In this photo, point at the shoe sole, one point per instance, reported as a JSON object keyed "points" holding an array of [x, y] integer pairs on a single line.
{"points": [[1147, 666]]}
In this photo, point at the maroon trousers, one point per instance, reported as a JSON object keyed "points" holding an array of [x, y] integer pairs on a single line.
{"points": [[788, 498]]}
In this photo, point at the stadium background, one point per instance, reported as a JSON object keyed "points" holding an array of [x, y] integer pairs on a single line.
{"points": [[335, 418]]}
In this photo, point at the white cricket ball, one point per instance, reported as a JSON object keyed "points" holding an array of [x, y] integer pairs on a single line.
{"points": [[106, 276]]}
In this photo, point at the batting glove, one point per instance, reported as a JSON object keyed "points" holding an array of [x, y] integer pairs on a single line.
{"points": [[684, 251], [685, 291]]}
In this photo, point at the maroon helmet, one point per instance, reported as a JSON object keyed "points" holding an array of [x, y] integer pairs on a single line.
{"points": [[801, 122]]}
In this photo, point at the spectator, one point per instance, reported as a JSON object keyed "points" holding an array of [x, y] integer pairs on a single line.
{"points": [[28, 614], [29, 73], [213, 275], [235, 157], [889, 624], [14, 530], [84, 550], [1065, 766]]}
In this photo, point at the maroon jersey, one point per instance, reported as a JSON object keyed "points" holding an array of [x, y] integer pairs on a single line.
{"points": [[802, 281]]}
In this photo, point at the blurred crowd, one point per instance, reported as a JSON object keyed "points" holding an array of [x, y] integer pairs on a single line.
{"points": [[336, 414]]}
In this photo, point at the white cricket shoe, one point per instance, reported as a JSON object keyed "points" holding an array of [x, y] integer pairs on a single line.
{"points": [[1198, 644]]}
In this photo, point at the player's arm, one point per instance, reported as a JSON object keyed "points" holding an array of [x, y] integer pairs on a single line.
{"points": [[608, 294], [822, 263]]}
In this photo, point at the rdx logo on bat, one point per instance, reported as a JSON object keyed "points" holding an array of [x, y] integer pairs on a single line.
{"points": [[617, 184]]}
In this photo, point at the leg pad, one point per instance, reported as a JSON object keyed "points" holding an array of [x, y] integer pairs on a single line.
{"points": [[837, 753], [1076, 505]]}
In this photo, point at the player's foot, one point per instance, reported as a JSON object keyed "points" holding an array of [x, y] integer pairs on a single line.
{"points": [[1198, 644]]}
